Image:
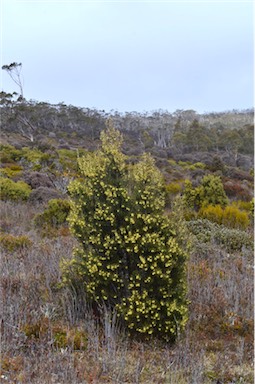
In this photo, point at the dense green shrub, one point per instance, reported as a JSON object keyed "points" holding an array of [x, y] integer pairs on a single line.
{"points": [[173, 188], [30, 157], [33, 156], [130, 258], [209, 192], [9, 190], [187, 165], [54, 215], [68, 159], [172, 163], [11, 170], [198, 165], [192, 196], [212, 191], [184, 164], [9, 154]]}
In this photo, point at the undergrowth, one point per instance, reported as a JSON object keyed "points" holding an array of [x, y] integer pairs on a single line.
{"points": [[51, 334]]}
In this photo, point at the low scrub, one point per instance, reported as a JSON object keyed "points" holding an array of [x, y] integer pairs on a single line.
{"points": [[11, 170], [212, 212], [228, 238], [233, 239], [54, 215], [231, 216], [12, 243], [210, 191], [11, 190], [235, 218], [173, 188], [44, 194]]}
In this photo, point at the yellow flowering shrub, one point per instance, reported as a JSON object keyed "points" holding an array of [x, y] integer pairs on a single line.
{"points": [[235, 218], [129, 257], [230, 216], [212, 212]]}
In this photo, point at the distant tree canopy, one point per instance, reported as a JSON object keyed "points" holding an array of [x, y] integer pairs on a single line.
{"points": [[130, 258], [184, 131]]}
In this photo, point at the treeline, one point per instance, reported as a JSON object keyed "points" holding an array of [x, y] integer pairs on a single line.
{"points": [[198, 137], [181, 132]]}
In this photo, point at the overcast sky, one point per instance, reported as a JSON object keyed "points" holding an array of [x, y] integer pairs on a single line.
{"points": [[132, 55]]}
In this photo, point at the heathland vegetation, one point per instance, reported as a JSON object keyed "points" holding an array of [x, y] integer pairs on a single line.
{"points": [[126, 245]]}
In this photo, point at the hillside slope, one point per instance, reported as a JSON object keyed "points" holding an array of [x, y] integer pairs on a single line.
{"points": [[49, 333]]}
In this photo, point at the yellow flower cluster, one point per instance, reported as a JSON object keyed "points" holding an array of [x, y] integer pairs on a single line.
{"points": [[127, 255]]}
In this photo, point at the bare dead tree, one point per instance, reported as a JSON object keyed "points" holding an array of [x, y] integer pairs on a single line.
{"points": [[14, 71], [14, 104]]}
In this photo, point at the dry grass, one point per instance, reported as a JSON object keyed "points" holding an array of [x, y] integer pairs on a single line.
{"points": [[49, 335]]}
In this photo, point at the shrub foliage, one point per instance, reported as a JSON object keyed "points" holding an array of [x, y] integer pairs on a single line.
{"points": [[129, 256], [9, 190], [230, 216], [228, 238], [12, 243], [54, 215], [209, 192]]}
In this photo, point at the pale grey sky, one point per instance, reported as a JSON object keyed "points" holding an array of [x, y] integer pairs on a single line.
{"points": [[132, 56]]}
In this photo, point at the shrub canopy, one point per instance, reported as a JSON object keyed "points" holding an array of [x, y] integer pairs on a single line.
{"points": [[129, 257], [11, 190], [209, 192]]}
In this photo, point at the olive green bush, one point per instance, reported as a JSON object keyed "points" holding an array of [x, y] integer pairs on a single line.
{"points": [[28, 157], [213, 191], [189, 166], [173, 188], [54, 215], [11, 190], [130, 258], [11, 171], [35, 158], [12, 243], [209, 192], [68, 159], [9, 154]]}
